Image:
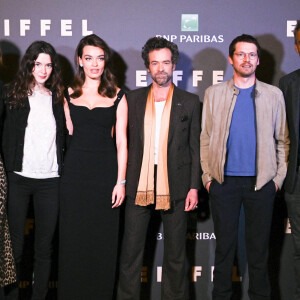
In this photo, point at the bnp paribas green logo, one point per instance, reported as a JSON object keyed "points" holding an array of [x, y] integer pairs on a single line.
{"points": [[189, 22]]}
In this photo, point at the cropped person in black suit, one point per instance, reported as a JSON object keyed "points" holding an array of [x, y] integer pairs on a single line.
{"points": [[163, 171], [290, 86]]}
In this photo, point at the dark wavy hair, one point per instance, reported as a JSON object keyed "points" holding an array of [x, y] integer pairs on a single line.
{"points": [[108, 84], [247, 39], [24, 81], [156, 43], [296, 29]]}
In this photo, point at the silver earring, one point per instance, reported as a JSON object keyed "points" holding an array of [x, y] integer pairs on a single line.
{"points": [[81, 65]]}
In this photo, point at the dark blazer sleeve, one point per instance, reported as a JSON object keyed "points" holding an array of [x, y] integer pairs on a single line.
{"points": [[136, 100], [1, 100], [290, 86], [283, 85], [2, 114]]}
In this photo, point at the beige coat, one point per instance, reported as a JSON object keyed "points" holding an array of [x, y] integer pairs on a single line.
{"points": [[272, 133]]}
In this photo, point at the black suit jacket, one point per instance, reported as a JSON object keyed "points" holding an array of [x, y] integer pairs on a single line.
{"points": [[183, 142], [290, 86]]}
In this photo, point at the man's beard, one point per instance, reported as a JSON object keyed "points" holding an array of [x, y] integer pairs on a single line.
{"points": [[161, 81]]}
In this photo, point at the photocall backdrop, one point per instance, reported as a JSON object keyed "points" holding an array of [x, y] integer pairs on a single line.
{"points": [[203, 31]]}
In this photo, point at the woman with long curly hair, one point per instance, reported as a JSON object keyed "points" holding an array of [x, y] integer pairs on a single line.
{"points": [[93, 182], [33, 141]]}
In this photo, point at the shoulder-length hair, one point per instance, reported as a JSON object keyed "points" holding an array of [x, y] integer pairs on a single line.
{"points": [[21, 86], [108, 85]]}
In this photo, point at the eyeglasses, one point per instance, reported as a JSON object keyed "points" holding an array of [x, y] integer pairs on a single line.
{"points": [[242, 55]]}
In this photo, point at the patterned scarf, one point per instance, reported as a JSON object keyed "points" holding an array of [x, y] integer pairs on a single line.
{"points": [[145, 192]]}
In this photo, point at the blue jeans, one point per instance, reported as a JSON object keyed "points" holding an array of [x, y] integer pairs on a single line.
{"points": [[226, 200]]}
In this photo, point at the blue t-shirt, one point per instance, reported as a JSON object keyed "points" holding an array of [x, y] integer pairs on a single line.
{"points": [[241, 143]]}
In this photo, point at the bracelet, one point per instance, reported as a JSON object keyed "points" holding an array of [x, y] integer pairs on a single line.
{"points": [[121, 182]]}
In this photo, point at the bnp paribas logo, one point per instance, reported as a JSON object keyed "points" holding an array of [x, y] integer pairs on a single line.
{"points": [[189, 22]]}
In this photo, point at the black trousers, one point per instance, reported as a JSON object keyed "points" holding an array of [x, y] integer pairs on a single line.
{"points": [[293, 206], [46, 203], [226, 200], [135, 231]]}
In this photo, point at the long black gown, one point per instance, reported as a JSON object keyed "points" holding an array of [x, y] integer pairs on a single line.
{"points": [[88, 224]]}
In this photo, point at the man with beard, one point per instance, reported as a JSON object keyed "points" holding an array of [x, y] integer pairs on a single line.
{"points": [[163, 171], [243, 151], [290, 86]]}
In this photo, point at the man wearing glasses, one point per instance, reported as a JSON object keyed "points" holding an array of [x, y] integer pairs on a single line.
{"points": [[244, 148]]}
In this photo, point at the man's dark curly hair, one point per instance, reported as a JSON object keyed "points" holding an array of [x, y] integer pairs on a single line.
{"points": [[156, 43]]}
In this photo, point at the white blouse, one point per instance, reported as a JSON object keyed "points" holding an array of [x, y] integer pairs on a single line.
{"points": [[40, 158]]}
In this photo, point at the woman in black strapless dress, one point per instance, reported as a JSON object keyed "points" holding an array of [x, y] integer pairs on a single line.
{"points": [[93, 182]]}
